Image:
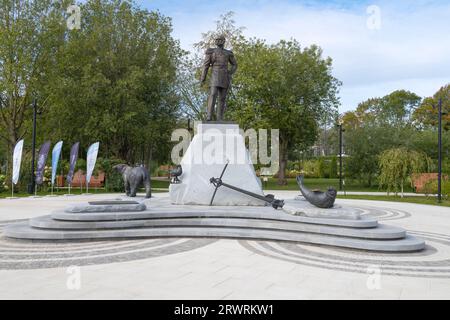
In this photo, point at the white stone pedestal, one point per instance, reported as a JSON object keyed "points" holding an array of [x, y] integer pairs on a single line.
{"points": [[210, 149]]}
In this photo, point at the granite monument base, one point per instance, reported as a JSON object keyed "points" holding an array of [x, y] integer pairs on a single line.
{"points": [[215, 145], [162, 219]]}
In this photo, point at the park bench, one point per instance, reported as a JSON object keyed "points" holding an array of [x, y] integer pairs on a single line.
{"points": [[79, 179]]}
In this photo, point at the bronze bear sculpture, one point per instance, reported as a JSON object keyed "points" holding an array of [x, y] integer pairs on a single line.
{"points": [[133, 177]]}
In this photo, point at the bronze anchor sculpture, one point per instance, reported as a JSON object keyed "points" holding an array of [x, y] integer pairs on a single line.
{"points": [[270, 198]]}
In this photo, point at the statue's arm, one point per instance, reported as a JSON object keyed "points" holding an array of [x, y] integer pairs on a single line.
{"points": [[233, 63], [206, 65]]}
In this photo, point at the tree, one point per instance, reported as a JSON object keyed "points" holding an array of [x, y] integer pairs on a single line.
{"points": [[115, 82], [193, 95], [398, 164], [394, 109], [225, 26], [283, 86], [426, 116], [376, 125]]}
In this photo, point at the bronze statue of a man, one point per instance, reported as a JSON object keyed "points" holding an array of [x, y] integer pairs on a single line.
{"points": [[218, 59]]}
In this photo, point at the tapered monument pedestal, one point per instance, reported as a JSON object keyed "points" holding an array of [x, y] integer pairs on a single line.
{"points": [[211, 148]]}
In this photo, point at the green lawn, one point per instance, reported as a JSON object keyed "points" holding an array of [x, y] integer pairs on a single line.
{"points": [[311, 183]]}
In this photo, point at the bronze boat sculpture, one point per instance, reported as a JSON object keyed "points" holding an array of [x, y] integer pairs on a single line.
{"points": [[318, 198]]}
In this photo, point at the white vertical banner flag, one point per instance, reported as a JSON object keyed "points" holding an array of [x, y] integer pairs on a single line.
{"points": [[56, 152], [17, 159], [91, 158]]}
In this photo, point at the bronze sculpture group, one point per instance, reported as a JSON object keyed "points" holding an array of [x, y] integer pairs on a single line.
{"points": [[218, 60]]}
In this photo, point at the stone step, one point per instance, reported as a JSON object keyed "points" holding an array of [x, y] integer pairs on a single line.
{"points": [[24, 231], [381, 232], [106, 206], [213, 212]]}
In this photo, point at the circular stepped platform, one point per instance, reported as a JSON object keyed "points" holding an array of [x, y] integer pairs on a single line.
{"points": [[161, 219], [381, 232]]}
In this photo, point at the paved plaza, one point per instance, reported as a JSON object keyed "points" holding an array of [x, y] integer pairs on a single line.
{"points": [[207, 268]]}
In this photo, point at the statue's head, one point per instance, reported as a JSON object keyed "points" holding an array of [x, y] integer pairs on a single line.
{"points": [[220, 41]]}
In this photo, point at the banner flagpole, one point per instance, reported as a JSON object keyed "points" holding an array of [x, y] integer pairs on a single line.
{"points": [[56, 154], [72, 162], [40, 167], [91, 158]]}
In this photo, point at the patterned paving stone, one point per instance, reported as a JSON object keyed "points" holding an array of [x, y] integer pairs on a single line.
{"points": [[22, 254], [433, 262]]}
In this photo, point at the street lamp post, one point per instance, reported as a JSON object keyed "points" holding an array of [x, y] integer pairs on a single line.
{"points": [[32, 184]]}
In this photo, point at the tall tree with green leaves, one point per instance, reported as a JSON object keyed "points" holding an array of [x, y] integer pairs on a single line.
{"points": [[116, 82], [283, 86], [376, 125], [394, 109], [426, 116], [397, 165]]}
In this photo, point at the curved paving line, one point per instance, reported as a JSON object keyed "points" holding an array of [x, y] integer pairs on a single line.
{"points": [[296, 253], [385, 264], [26, 254], [38, 249], [427, 252], [385, 213], [84, 253], [330, 267]]}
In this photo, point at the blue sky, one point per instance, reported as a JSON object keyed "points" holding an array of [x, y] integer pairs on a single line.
{"points": [[408, 47]]}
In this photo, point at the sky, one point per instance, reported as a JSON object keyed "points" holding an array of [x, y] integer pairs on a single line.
{"points": [[376, 46]]}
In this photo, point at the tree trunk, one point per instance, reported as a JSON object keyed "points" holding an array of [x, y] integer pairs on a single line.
{"points": [[283, 163]]}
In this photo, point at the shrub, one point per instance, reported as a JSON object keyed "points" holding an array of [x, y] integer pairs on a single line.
{"points": [[309, 169], [431, 188], [113, 179], [80, 165], [292, 174], [320, 168], [333, 168]]}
